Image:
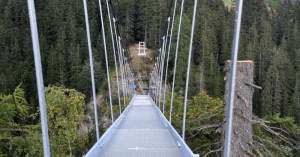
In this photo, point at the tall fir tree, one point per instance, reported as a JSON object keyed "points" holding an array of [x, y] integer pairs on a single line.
{"points": [[276, 95]]}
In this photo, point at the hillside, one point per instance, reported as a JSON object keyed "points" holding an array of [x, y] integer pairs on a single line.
{"points": [[270, 37]]}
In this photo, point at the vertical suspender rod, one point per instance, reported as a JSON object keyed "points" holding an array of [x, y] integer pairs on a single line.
{"points": [[120, 61], [161, 69], [234, 55], [114, 51], [189, 69], [106, 59], [171, 35], [165, 49], [91, 66], [175, 62], [39, 76]]}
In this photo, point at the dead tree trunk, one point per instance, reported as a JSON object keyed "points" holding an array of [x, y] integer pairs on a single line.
{"points": [[242, 133]]}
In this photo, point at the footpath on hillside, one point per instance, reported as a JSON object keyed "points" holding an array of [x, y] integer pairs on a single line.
{"points": [[142, 66]]}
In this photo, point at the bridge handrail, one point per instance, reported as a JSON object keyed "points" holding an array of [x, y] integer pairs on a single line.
{"points": [[98, 146], [183, 147]]}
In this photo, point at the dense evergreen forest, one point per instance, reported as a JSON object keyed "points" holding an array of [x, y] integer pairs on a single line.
{"points": [[270, 37]]}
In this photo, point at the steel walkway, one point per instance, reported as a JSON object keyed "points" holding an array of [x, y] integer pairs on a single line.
{"points": [[141, 131]]}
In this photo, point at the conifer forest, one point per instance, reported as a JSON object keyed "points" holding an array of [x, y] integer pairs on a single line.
{"points": [[270, 37]]}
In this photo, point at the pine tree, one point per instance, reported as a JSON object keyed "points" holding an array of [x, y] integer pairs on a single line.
{"points": [[125, 14], [99, 50], [140, 21], [293, 45], [154, 24], [276, 94], [182, 51], [263, 57], [296, 99], [52, 69], [296, 95], [281, 23], [3, 59], [60, 59], [208, 63]]}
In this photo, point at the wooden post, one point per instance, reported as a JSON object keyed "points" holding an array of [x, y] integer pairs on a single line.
{"points": [[242, 133]]}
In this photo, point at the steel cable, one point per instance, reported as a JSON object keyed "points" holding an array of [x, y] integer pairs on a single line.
{"points": [[106, 59], [114, 51], [188, 69], [176, 55]]}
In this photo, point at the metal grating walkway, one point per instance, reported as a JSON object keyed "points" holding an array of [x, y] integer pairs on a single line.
{"points": [[141, 131]]}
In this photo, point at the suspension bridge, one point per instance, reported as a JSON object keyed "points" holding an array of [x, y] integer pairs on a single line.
{"points": [[141, 129]]}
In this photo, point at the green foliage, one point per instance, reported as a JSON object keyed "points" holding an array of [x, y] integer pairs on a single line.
{"points": [[65, 112], [269, 37], [83, 80], [276, 136], [204, 117], [14, 110], [296, 99], [10, 104], [279, 82], [274, 3], [229, 2], [273, 135], [182, 51]]}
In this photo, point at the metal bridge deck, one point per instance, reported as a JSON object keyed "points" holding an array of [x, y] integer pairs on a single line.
{"points": [[142, 133]]}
